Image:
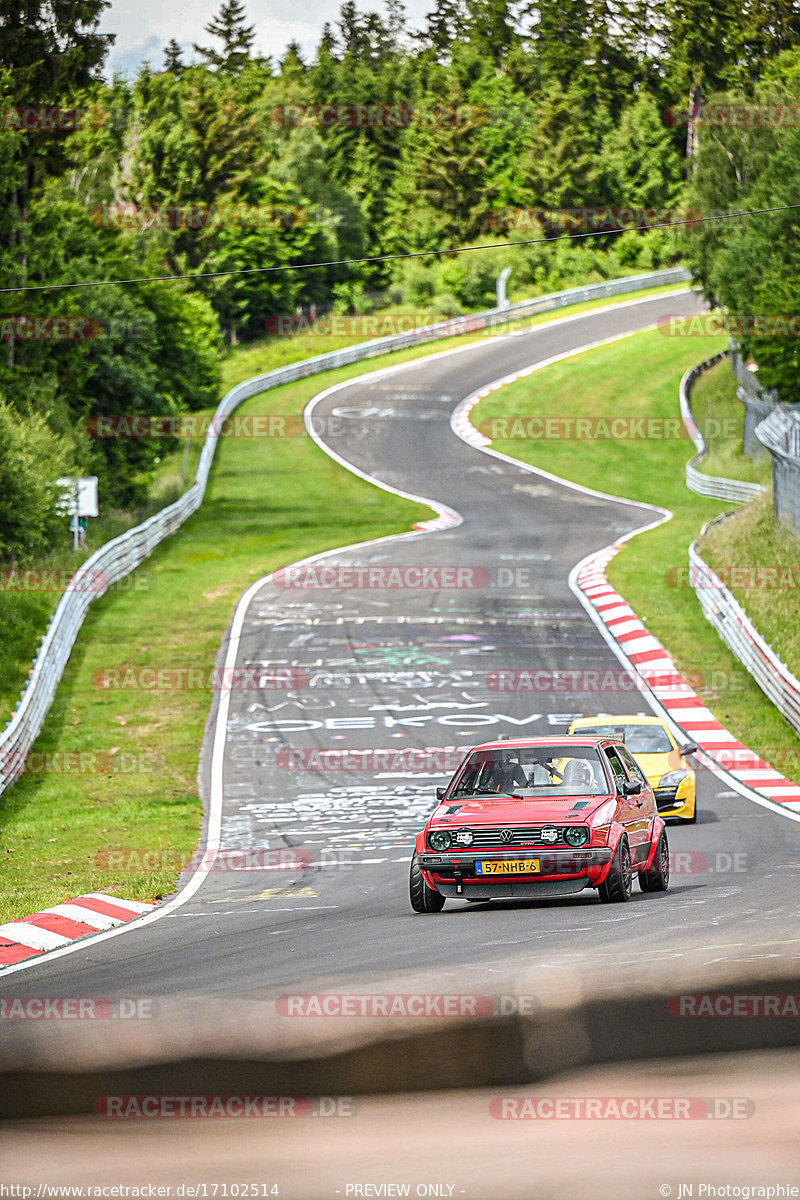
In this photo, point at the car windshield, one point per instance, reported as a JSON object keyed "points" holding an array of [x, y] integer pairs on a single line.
{"points": [[532, 771], [640, 739]]}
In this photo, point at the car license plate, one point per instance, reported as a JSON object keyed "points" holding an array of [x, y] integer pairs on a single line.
{"points": [[510, 866]]}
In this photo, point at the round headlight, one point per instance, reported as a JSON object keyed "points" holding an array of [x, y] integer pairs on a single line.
{"points": [[576, 835], [439, 839]]}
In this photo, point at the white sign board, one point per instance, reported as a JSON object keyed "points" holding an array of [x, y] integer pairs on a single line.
{"points": [[80, 494]]}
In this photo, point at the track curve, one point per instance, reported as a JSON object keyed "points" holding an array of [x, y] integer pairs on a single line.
{"points": [[392, 669]]}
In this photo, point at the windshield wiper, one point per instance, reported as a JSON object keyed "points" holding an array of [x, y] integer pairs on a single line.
{"points": [[492, 792]]}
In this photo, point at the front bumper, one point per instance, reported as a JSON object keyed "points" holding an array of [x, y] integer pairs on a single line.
{"points": [[675, 801], [507, 889], [571, 868]]}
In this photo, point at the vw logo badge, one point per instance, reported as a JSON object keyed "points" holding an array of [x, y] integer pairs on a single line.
{"points": [[549, 834], [507, 835]]}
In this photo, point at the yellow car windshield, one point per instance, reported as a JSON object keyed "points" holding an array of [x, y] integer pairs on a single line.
{"points": [[640, 739]]}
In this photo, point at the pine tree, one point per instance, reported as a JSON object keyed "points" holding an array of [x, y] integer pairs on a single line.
{"points": [[352, 30], [172, 58], [704, 45], [327, 43], [237, 39], [444, 25], [49, 52], [642, 165], [560, 167], [561, 38], [490, 27], [292, 62], [396, 24]]}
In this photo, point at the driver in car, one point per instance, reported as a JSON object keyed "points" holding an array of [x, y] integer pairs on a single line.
{"points": [[580, 775], [507, 774]]}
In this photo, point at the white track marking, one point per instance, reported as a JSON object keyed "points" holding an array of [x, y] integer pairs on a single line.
{"points": [[134, 906], [86, 916], [32, 936]]}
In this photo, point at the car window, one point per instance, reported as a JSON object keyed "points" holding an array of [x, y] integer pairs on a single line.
{"points": [[532, 771], [634, 770], [640, 739], [617, 768]]}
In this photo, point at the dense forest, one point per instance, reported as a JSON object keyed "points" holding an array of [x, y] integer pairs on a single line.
{"points": [[495, 123]]}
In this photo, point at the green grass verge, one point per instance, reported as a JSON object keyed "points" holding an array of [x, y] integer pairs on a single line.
{"points": [[28, 600], [269, 502], [720, 417], [640, 375], [760, 560]]}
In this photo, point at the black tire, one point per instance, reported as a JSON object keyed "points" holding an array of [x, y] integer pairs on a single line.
{"points": [[657, 878], [618, 882], [424, 899]]}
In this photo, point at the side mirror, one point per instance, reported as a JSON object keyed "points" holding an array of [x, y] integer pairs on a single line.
{"points": [[632, 787], [689, 748], [440, 791]]}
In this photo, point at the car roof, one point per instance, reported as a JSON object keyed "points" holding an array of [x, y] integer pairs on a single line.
{"points": [[618, 719], [566, 740]]}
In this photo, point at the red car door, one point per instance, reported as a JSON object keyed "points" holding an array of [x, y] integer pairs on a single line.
{"points": [[627, 811], [641, 809]]}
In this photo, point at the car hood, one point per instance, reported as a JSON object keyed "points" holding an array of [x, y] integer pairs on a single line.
{"points": [[485, 810], [656, 765]]}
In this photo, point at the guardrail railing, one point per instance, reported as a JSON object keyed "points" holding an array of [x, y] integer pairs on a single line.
{"points": [[717, 487], [123, 554], [738, 632], [758, 402], [780, 434]]}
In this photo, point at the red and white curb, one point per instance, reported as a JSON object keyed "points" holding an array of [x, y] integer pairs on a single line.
{"points": [[685, 708], [55, 927]]}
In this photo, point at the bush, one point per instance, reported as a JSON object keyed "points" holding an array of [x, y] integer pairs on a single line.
{"points": [[472, 277], [445, 304], [32, 457]]}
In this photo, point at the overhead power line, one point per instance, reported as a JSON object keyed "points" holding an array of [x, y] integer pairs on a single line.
{"points": [[379, 258]]}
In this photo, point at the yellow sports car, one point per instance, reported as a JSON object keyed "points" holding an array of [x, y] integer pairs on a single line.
{"points": [[657, 753]]}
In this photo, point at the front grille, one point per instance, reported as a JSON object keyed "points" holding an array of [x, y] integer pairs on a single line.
{"points": [[527, 835]]}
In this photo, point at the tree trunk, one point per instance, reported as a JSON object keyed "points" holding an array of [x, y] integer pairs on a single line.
{"points": [[692, 140]]}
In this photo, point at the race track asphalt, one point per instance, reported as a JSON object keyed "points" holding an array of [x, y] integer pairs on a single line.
{"points": [[411, 668]]}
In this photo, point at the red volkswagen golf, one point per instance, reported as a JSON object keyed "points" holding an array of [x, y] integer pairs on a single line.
{"points": [[540, 817]]}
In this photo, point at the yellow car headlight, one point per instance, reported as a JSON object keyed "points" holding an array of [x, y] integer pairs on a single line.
{"points": [[673, 778]]}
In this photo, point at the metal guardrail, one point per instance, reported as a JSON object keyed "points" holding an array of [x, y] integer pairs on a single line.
{"points": [[717, 487], [123, 554], [732, 624], [758, 402], [780, 434]]}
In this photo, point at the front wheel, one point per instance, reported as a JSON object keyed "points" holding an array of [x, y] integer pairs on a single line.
{"points": [[616, 888], [424, 899], [657, 878]]}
